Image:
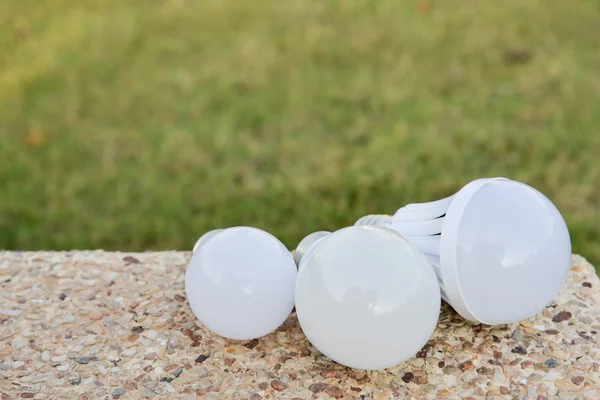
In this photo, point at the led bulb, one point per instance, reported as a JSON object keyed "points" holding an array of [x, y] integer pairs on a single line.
{"points": [[500, 248], [365, 297], [240, 282]]}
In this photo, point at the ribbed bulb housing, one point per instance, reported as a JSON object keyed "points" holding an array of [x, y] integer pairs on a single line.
{"points": [[500, 248]]}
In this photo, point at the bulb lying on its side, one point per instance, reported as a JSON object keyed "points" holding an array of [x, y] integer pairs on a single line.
{"points": [[500, 248]]}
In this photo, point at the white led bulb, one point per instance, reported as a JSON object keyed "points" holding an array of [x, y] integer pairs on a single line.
{"points": [[500, 248], [240, 282], [365, 297]]}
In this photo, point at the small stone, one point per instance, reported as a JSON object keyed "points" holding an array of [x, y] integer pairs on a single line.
{"points": [[96, 316], [59, 359], [178, 372], [318, 387], [75, 381], [409, 376], [129, 352], [131, 260], [586, 284], [85, 360], [62, 296], [562, 316], [166, 379], [137, 329], [551, 363], [229, 361], [118, 392], [503, 390], [251, 344], [150, 356], [497, 354], [11, 313], [179, 298], [578, 380], [519, 350], [466, 366], [201, 358], [330, 373], [45, 356], [495, 339], [150, 334], [277, 385], [334, 392], [148, 393], [441, 364], [552, 331], [62, 368]]}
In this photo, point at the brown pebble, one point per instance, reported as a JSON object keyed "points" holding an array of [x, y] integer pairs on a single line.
{"points": [[277, 385], [334, 392], [131, 260], [562, 316], [527, 364], [552, 331], [409, 376], [229, 361], [318, 387], [355, 389], [483, 371], [586, 284], [495, 339], [578, 380], [96, 316], [251, 344], [201, 358], [503, 390], [423, 352], [137, 329], [179, 297], [263, 385], [466, 366], [441, 364], [132, 338], [476, 329], [497, 354], [519, 350], [330, 373], [255, 396]]}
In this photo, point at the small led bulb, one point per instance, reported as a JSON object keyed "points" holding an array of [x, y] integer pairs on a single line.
{"points": [[240, 282], [500, 248], [365, 297]]}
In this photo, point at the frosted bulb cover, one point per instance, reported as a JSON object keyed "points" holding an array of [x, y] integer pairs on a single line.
{"points": [[240, 283], [366, 298], [505, 250]]}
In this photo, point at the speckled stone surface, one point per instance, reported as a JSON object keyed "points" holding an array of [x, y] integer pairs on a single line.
{"points": [[98, 325]]}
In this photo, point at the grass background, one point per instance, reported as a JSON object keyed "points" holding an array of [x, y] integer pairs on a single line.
{"points": [[138, 125]]}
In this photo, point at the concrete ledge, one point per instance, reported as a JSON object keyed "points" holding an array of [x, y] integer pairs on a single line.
{"points": [[94, 324]]}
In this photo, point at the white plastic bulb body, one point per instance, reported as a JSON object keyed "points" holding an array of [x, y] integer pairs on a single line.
{"points": [[240, 282], [365, 297], [500, 248]]}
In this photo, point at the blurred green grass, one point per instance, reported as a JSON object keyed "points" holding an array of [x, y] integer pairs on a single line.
{"points": [[139, 125]]}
